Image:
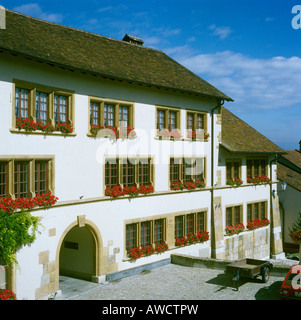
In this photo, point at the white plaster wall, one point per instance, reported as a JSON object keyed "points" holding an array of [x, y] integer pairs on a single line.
{"points": [[78, 160], [290, 200], [243, 195]]}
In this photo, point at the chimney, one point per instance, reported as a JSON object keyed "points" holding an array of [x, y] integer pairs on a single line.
{"points": [[300, 145], [133, 39]]}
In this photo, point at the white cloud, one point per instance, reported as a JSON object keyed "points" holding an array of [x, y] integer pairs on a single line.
{"points": [[221, 32], [34, 9], [272, 83]]}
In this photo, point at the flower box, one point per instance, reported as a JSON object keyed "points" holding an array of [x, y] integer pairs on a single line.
{"points": [[148, 250], [259, 180], [118, 191], [179, 185], [192, 238], [29, 125], [235, 229], [197, 135], [234, 182], [165, 134], [40, 200], [113, 132], [257, 223], [7, 295]]}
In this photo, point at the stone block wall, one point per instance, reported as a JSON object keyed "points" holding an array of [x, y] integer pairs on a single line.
{"points": [[249, 244]]}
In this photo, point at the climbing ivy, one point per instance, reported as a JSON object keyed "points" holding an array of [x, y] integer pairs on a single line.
{"points": [[17, 226]]}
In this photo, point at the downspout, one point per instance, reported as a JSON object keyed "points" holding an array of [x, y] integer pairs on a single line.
{"points": [[212, 232]]}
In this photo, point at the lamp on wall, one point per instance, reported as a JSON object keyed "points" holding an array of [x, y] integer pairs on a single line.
{"points": [[283, 185], [274, 193]]}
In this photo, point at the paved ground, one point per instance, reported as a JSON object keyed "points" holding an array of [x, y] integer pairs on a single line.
{"points": [[172, 282]]}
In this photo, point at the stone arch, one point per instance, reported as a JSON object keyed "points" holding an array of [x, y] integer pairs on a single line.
{"points": [[98, 250]]}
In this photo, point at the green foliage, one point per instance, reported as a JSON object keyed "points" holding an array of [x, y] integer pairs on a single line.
{"points": [[295, 230], [296, 225], [16, 230]]}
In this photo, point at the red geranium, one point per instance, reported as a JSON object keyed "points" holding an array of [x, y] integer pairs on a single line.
{"points": [[7, 295]]}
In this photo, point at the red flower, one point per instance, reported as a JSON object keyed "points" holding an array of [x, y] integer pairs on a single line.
{"points": [[257, 223], [7, 295], [9, 205]]}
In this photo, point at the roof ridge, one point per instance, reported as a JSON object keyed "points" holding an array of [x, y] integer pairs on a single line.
{"points": [[81, 30]]}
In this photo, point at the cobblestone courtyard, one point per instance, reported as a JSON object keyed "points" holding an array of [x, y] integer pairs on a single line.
{"points": [[174, 282]]}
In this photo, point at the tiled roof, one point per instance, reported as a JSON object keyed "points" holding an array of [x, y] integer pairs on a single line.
{"points": [[87, 52], [294, 157], [289, 168], [291, 177], [238, 136]]}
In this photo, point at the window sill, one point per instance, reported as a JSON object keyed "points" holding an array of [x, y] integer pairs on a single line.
{"points": [[89, 135], [180, 139], [40, 132]]}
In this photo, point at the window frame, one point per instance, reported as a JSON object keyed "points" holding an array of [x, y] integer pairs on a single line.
{"points": [[117, 106], [262, 169], [154, 225], [33, 89], [182, 162], [167, 111], [136, 163], [30, 161], [195, 114], [261, 204], [231, 162], [233, 219], [188, 223]]}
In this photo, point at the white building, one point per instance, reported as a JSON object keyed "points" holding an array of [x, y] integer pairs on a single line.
{"points": [[289, 190], [58, 74]]}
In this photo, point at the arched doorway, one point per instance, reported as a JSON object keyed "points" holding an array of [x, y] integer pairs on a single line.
{"points": [[78, 254], [79, 251]]}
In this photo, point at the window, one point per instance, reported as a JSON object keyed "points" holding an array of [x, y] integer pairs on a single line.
{"points": [[158, 231], [41, 106], [108, 117], [179, 231], [41, 103], [21, 103], [29, 176], [200, 222], [186, 169], [144, 167], [111, 173], [131, 236], [123, 116], [3, 179], [128, 172], [94, 113], [256, 167], [145, 233], [232, 169], [60, 108], [21, 179], [195, 121], [190, 223], [167, 118], [257, 210], [41, 177], [174, 170], [233, 215], [172, 120], [160, 119], [110, 113]]}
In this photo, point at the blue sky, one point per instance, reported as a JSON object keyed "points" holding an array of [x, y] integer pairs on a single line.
{"points": [[247, 49]]}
